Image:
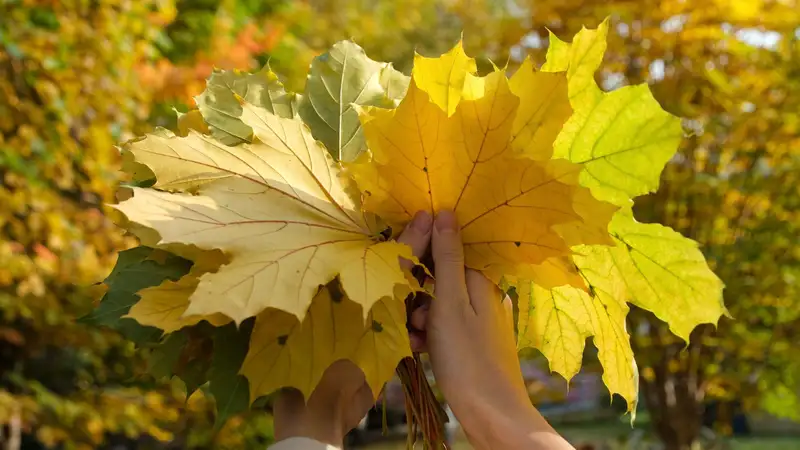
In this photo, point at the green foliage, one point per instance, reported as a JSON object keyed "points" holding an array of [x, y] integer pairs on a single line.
{"points": [[69, 90], [230, 389], [192, 29]]}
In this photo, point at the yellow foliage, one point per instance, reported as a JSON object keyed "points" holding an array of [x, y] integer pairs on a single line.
{"points": [[287, 353], [437, 151]]}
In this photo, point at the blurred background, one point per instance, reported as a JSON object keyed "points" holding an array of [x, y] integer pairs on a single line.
{"points": [[78, 76]]}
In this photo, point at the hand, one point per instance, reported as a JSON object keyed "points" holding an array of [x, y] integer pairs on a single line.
{"points": [[469, 334], [339, 402], [342, 397]]}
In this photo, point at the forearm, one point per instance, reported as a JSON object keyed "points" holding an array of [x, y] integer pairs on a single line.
{"points": [[520, 428]]}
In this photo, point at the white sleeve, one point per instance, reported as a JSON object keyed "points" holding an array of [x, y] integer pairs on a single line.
{"points": [[301, 443]]}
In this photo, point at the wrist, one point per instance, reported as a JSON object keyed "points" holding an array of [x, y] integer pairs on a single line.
{"points": [[294, 418], [316, 428], [511, 424], [494, 423]]}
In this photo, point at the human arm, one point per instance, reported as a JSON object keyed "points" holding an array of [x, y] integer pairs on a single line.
{"points": [[468, 332]]}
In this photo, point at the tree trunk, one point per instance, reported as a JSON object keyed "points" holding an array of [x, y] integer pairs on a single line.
{"points": [[670, 380], [675, 410]]}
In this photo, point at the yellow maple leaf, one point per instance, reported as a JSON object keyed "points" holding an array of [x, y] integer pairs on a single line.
{"points": [[164, 306], [192, 120], [511, 207], [541, 112], [285, 352], [444, 78], [278, 207], [558, 320]]}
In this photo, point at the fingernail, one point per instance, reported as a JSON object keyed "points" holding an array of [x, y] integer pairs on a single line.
{"points": [[422, 222], [446, 221]]}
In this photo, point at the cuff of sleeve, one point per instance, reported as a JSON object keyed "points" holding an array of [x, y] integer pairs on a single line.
{"points": [[301, 443]]}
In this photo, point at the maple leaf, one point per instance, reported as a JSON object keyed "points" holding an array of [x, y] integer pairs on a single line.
{"points": [[164, 306], [282, 212], [557, 321], [622, 138], [444, 77], [221, 109], [509, 205], [285, 352], [339, 79], [541, 113], [651, 266], [229, 388], [665, 273], [192, 120]]}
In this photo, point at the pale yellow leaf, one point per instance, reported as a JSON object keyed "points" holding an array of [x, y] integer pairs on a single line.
{"points": [[282, 211], [163, 306]]}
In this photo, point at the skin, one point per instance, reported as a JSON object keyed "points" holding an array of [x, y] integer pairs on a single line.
{"points": [[468, 332]]}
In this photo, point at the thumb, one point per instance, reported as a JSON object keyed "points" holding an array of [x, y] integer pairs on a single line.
{"points": [[448, 256]]}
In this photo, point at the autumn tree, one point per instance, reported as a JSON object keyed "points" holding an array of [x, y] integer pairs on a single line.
{"points": [[69, 92]]}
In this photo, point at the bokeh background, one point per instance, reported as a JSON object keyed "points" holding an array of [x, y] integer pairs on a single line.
{"points": [[78, 76]]}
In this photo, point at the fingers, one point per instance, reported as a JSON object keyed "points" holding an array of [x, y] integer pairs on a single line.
{"points": [[448, 257], [419, 341], [508, 310], [417, 235], [419, 318], [484, 295], [417, 331]]}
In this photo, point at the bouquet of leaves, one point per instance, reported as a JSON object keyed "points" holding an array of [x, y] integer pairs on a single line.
{"points": [[266, 223]]}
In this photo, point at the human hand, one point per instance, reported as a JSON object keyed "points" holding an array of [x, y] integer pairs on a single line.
{"points": [[468, 332], [338, 403], [342, 397]]}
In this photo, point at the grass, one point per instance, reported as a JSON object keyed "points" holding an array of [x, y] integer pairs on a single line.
{"points": [[766, 442]]}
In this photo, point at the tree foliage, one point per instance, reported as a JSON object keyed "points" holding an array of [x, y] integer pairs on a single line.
{"points": [[68, 92]]}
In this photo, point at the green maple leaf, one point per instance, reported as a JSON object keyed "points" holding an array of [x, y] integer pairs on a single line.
{"points": [[622, 137], [135, 270], [339, 79], [165, 355], [229, 388], [194, 374], [221, 109]]}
